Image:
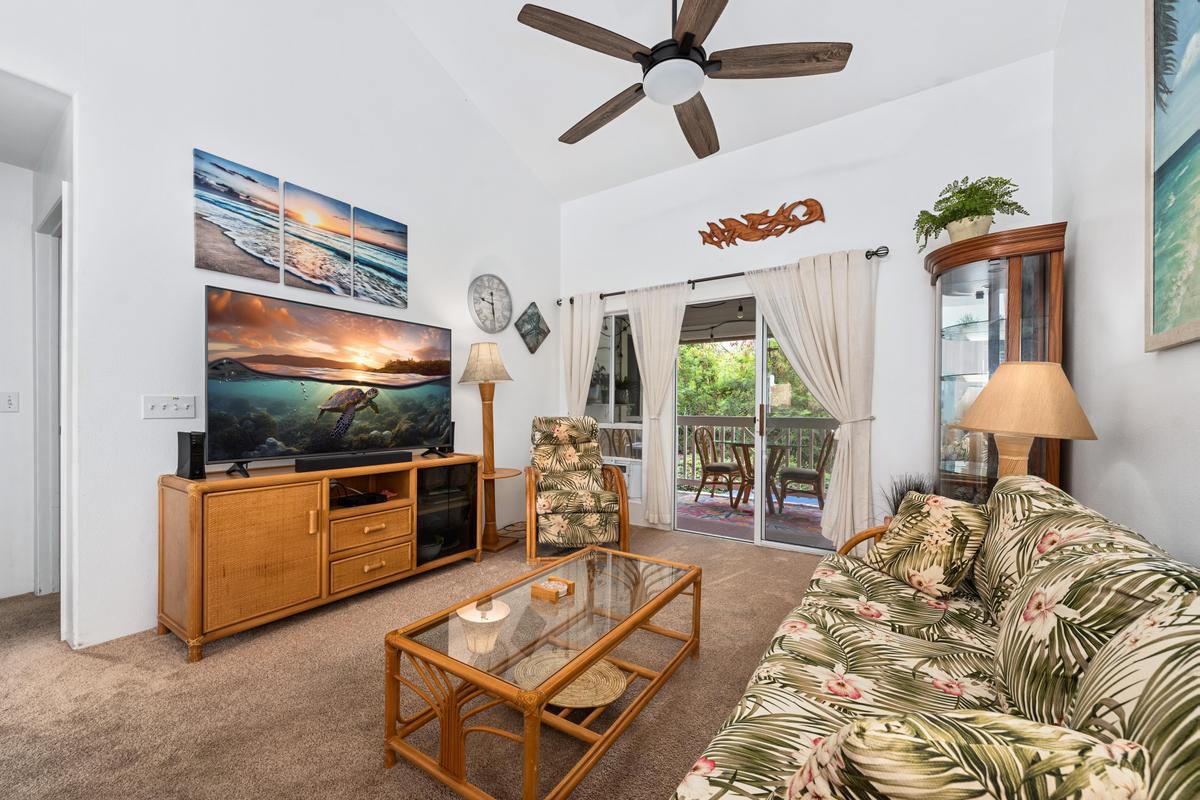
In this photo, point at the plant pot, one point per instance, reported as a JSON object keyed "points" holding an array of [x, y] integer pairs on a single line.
{"points": [[968, 228]]}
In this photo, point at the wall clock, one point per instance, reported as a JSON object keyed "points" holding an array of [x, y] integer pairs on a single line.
{"points": [[490, 303]]}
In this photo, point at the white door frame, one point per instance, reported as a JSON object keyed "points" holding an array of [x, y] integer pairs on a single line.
{"points": [[47, 449]]}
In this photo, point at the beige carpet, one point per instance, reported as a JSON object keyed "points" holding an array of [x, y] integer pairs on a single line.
{"points": [[295, 709]]}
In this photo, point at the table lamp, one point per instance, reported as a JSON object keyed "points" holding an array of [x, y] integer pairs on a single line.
{"points": [[485, 368], [481, 624], [1023, 400]]}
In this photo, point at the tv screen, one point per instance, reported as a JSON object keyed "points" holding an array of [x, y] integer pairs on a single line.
{"points": [[288, 379]]}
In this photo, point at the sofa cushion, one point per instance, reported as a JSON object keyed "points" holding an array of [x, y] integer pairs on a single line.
{"points": [[582, 480], [859, 668], [578, 528], [967, 755], [1066, 610], [766, 738], [1030, 519], [931, 543], [822, 668], [850, 586], [566, 457], [1144, 685]]}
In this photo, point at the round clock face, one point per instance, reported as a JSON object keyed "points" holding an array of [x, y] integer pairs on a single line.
{"points": [[491, 304]]}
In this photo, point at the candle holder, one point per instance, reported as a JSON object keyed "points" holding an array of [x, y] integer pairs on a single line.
{"points": [[481, 624]]}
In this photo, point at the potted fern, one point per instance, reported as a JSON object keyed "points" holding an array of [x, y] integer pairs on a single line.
{"points": [[967, 208]]}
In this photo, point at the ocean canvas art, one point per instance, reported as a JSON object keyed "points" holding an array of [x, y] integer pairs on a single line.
{"points": [[380, 259], [287, 379], [236, 219], [1173, 284], [317, 249]]}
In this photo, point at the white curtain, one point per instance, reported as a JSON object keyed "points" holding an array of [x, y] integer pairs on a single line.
{"points": [[655, 318], [822, 312], [580, 320]]}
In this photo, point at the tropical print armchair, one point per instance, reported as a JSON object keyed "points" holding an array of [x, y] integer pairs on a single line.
{"points": [[572, 499], [1067, 666]]}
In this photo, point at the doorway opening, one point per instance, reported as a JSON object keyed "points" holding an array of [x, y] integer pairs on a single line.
{"points": [[752, 444]]}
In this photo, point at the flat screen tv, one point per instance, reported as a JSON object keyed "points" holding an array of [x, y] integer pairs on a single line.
{"points": [[289, 380]]}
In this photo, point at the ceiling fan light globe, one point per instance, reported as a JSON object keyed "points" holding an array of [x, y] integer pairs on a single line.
{"points": [[673, 81]]}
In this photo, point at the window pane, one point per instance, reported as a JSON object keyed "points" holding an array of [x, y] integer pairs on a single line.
{"points": [[598, 401], [627, 402]]}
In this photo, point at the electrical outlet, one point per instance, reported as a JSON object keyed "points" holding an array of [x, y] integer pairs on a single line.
{"points": [[10, 402], [168, 406]]}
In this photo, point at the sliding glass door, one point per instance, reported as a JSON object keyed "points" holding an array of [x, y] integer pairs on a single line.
{"points": [[794, 449]]}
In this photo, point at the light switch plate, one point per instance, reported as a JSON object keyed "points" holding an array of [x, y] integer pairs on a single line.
{"points": [[10, 402], [168, 406]]}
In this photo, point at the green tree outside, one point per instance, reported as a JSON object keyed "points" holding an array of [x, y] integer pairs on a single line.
{"points": [[717, 379]]}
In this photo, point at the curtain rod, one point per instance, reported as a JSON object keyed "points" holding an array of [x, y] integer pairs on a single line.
{"points": [[879, 252]]}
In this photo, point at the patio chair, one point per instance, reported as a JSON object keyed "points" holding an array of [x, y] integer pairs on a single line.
{"points": [[572, 499], [713, 472], [813, 478]]}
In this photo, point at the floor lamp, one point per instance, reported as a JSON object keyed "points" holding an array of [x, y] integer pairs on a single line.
{"points": [[485, 368], [1023, 400]]}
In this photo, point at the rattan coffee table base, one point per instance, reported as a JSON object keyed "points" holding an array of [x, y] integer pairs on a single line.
{"points": [[454, 693]]}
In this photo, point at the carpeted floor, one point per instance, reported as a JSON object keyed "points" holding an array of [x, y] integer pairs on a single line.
{"points": [[295, 709]]}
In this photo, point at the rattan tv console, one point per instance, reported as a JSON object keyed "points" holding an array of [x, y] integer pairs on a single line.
{"points": [[235, 553]]}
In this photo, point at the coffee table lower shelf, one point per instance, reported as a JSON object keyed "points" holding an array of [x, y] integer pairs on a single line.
{"points": [[454, 693]]}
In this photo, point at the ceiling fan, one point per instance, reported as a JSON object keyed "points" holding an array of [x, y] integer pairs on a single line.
{"points": [[674, 70]]}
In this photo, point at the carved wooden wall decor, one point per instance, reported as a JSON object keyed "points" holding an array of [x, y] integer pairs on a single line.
{"points": [[756, 227]]}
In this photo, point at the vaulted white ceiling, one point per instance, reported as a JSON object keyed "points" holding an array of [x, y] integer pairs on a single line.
{"points": [[532, 86]]}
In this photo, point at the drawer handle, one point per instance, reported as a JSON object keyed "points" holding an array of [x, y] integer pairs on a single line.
{"points": [[312, 521], [373, 528], [372, 567]]}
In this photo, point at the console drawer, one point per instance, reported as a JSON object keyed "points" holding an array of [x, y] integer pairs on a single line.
{"points": [[351, 572], [350, 532]]}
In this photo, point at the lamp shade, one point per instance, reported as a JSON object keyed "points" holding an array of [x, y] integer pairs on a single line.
{"points": [[1029, 398], [484, 364]]}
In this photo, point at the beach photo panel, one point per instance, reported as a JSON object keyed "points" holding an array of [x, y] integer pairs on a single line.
{"points": [[1173, 276], [380, 259], [316, 241], [236, 220]]}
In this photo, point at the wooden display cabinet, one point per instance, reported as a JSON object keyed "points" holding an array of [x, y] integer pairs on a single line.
{"points": [[235, 553], [999, 298]]}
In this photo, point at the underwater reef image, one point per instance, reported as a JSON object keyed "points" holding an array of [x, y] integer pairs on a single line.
{"points": [[289, 379]]}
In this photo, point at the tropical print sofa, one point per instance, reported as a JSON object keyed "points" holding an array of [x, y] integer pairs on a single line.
{"points": [[1067, 666]]}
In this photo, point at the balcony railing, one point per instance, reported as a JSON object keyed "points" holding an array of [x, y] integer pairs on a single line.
{"points": [[800, 440]]}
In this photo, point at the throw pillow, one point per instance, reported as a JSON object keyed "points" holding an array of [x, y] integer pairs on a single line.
{"points": [[931, 543]]}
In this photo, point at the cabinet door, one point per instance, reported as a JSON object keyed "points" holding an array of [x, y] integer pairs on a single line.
{"points": [[262, 552]]}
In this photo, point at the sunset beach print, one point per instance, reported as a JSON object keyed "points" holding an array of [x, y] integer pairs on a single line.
{"points": [[380, 259], [316, 241], [236, 218]]}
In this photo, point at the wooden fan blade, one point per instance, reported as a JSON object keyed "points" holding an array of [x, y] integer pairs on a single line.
{"points": [[579, 32], [697, 125], [782, 60], [698, 17], [603, 115]]}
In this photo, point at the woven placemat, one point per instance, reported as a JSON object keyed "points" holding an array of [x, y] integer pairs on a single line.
{"points": [[602, 684]]}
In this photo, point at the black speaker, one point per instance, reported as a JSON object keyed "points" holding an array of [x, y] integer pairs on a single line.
{"points": [[447, 447], [191, 455]]}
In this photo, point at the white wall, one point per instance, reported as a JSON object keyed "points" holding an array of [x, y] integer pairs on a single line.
{"points": [[348, 104], [53, 168], [872, 171], [1142, 470], [16, 375]]}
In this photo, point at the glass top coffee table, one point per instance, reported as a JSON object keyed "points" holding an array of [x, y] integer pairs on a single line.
{"points": [[540, 645]]}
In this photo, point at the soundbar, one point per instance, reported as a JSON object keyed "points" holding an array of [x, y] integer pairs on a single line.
{"points": [[346, 460]]}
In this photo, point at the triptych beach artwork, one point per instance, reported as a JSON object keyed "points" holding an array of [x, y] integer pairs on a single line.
{"points": [[250, 223]]}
